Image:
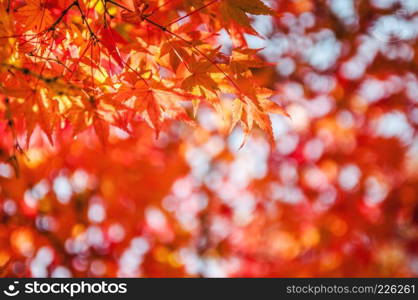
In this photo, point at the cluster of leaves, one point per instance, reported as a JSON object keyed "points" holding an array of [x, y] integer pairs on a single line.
{"points": [[101, 63]]}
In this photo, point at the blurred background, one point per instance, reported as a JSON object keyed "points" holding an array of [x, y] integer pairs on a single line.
{"points": [[336, 196]]}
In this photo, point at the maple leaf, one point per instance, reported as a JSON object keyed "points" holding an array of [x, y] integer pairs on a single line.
{"points": [[35, 15], [40, 111], [77, 119], [248, 115], [237, 10], [101, 127], [237, 109], [109, 38], [176, 52], [135, 17], [153, 110], [15, 86], [243, 59], [154, 100], [6, 25], [200, 79], [171, 101], [256, 110]]}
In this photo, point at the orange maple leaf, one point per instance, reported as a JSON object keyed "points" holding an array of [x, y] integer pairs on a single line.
{"points": [[35, 15]]}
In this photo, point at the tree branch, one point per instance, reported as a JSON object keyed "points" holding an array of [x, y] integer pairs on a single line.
{"points": [[63, 14], [85, 21]]}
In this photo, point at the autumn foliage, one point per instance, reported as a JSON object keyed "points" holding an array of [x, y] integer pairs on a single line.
{"points": [[183, 138]]}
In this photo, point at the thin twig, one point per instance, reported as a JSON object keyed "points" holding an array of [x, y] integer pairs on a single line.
{"points": [[192, 12], [56, 60], [64, 12], [158, 7], [85, 21]]}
